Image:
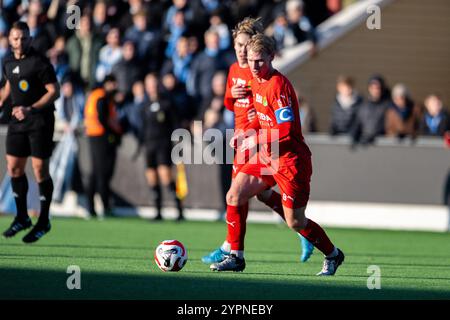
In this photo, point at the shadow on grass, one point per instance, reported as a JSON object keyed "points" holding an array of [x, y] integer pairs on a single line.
{"points": [[51, 284]]}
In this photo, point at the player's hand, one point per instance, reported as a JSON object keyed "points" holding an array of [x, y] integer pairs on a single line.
{"points": [[251, 115], [248, 143], [238, 91], [20, 112], [236, 139]]}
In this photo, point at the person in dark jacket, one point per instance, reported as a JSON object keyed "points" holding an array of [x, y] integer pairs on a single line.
{"points": [[345, 107], [159, 120], [127, 71], [369, 122], [435, 120]]}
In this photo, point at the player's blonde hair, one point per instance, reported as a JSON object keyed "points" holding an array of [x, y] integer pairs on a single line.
{"points": [[260, 43], [248, 26]]}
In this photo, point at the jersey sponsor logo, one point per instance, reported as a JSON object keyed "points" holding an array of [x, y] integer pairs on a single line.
{"points": [[264, 117], [284, 114], [259, 98], [16, 70], [262, 100], [23, 85]]}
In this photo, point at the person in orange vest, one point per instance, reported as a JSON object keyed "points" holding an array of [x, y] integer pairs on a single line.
{"points": [[104, 132]]}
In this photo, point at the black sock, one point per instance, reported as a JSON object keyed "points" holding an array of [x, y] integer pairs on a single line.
{"points": [[20, 189], [157, 198], [173, 192], [46, 193]]}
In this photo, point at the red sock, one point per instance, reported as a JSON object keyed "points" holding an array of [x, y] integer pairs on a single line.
{"points": [[317, 236], [237, 225], [275, 203]]}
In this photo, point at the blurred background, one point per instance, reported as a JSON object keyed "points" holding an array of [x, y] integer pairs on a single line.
{"points": [[373, 82]]}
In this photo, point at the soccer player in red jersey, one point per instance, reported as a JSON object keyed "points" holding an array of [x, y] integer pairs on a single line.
{"points": [[239, 99], [282, 149]]}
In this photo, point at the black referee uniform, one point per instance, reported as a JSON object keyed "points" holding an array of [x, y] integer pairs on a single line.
{"points": [[159, 120], [32, 136]]}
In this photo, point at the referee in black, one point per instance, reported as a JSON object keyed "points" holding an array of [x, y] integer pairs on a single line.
{"points": [[32, 87]]}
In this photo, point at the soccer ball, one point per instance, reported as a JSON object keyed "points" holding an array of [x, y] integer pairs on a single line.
{"points": [[170, 255]]}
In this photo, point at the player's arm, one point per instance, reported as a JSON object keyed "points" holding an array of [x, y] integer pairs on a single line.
{"points": [[20, 112], [49, 97]]}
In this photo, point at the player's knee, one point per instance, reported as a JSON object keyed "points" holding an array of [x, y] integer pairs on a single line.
{"points": [[40, 172], [296, 224], [15, 171], [234, 198], [264, 195]]}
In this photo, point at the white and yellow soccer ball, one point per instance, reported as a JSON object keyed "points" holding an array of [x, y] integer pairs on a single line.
{"points": [[171, 255]]}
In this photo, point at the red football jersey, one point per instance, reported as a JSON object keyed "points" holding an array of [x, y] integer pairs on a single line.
{"points": [[277, 108], [240, 107]]}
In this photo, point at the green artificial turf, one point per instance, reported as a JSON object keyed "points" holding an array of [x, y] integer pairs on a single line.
{"points": [[116, 261]]}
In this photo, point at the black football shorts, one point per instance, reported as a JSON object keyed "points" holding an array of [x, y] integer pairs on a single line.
{"points": [[35, 142], [158, 155]]}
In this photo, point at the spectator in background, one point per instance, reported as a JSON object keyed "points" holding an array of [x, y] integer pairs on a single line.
{"points": [[59, 58], [3, 27], [69, 112], [193, 45], [213, 108], [159, 120], [370, 117], [176, 29], [99, 19], [203, 68], [104, 135], [176, 91], [435, 120], [109, 55], [279, 30], [217, 24], [83, 49], [299, 24], [147, 41], [402, 116], [70, 105], [291, 27], [218, 117], [38, 27], [3, 51], [131, 113], [195, 12], [345, 107], [133, 7], [180, 62], [127, 71]]}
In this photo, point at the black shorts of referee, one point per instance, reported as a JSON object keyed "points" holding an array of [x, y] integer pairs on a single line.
{"points": [[158, 154], [31, 137]]}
